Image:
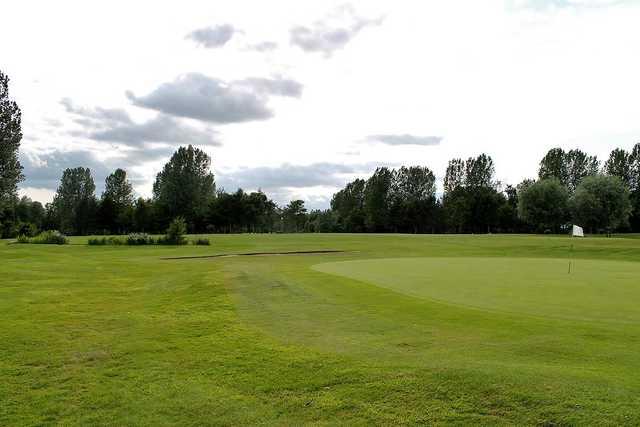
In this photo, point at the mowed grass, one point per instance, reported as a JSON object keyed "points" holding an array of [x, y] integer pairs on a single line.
{"points": [[396, 329]]}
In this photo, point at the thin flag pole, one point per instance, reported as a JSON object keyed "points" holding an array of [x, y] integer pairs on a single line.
{"points": [[570, 257]]}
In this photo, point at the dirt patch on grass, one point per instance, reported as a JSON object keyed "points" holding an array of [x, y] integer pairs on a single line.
{"points": [[315, 252]]}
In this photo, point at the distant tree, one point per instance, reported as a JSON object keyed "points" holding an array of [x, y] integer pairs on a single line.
{"points": [[74, 203], [544, 204], [479, 171], [634, 168], [377, 194], [508, 211], [568, 167], [294, 215], [143, 216], [553, 165], [414, 196], [455, 175], [116, 205], [619, 164], [10, 168], [579, 165], [348, 204], [30, 211], [601, 203], [471, 202], [185, 186]]}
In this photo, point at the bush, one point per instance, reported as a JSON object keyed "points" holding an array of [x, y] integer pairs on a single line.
{"points": [[97, 241], [50, 237], [102, 241], [201, 241], [23, 238], [175, 233], [136, 239]]}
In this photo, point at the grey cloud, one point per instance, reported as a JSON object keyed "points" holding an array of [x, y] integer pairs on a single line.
{"points": [[98, 115], [325, 37], [212, 37], [115, 125], [405, 139], [200, 97], [160, 129], [293, 176], [265, 46], [45, 170]]}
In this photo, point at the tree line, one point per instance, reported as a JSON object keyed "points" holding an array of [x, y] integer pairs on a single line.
{"points": [[571, 187]]}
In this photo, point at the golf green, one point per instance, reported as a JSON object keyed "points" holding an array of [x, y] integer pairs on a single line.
{"points": [[586, 290]]}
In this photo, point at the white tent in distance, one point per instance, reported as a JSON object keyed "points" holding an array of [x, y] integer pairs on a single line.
{"points": [[577, 231]]}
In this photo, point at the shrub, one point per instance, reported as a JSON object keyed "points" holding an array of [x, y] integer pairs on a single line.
{"points": [[136, 239], [97, 241], [50, 237], [201, 241], [23, 238], [116, 241], [27, 229], [175, 233]]}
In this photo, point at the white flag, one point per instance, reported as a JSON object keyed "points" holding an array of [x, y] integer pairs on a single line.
{"points": [[577, 231]]}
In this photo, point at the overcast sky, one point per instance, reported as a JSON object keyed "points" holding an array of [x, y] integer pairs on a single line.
{"points": [[299, 97]]}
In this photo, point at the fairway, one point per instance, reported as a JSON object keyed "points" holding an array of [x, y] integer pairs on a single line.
{"points": [[592, 290], [322, 329]]}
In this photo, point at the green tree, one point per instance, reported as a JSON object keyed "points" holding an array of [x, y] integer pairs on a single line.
{"points": [[601, 203], [568, 167], [479, 171], [295, 215], [116, 205], [454, 176], [75, 203], [10, 137], [185, 186], [553, 165], [348, 204], [579, 165], [414, 194], [544, 204], [619, 164], [376, 199]]}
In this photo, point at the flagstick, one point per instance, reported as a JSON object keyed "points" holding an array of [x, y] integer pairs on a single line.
{"points": [[570, 257]]}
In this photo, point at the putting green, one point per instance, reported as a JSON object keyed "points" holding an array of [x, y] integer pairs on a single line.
{"points": [[594, 290]]}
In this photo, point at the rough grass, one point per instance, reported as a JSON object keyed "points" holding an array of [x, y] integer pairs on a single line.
{"points": [[117, 335]]}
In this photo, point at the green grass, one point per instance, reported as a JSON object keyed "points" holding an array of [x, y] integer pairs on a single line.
{"points": [[396, 329]]}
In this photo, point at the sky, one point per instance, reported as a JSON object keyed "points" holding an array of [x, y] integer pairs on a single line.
{"points": [[297, 98]]}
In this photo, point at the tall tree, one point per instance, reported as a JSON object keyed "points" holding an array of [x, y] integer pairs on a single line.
{"points": [[579, 165], [601, 203], [634, 168], [116, 206], [294, 215], [185, 186], [10, 137], [544, 204], [377, 197], [454, 176], [568, 167], [348, 204], [479, 172], [74, 203], [553, 165], [414, 193], [619, 164]]}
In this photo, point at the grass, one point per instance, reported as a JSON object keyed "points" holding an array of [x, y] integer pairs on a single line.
{"points": [[396, 329]]}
